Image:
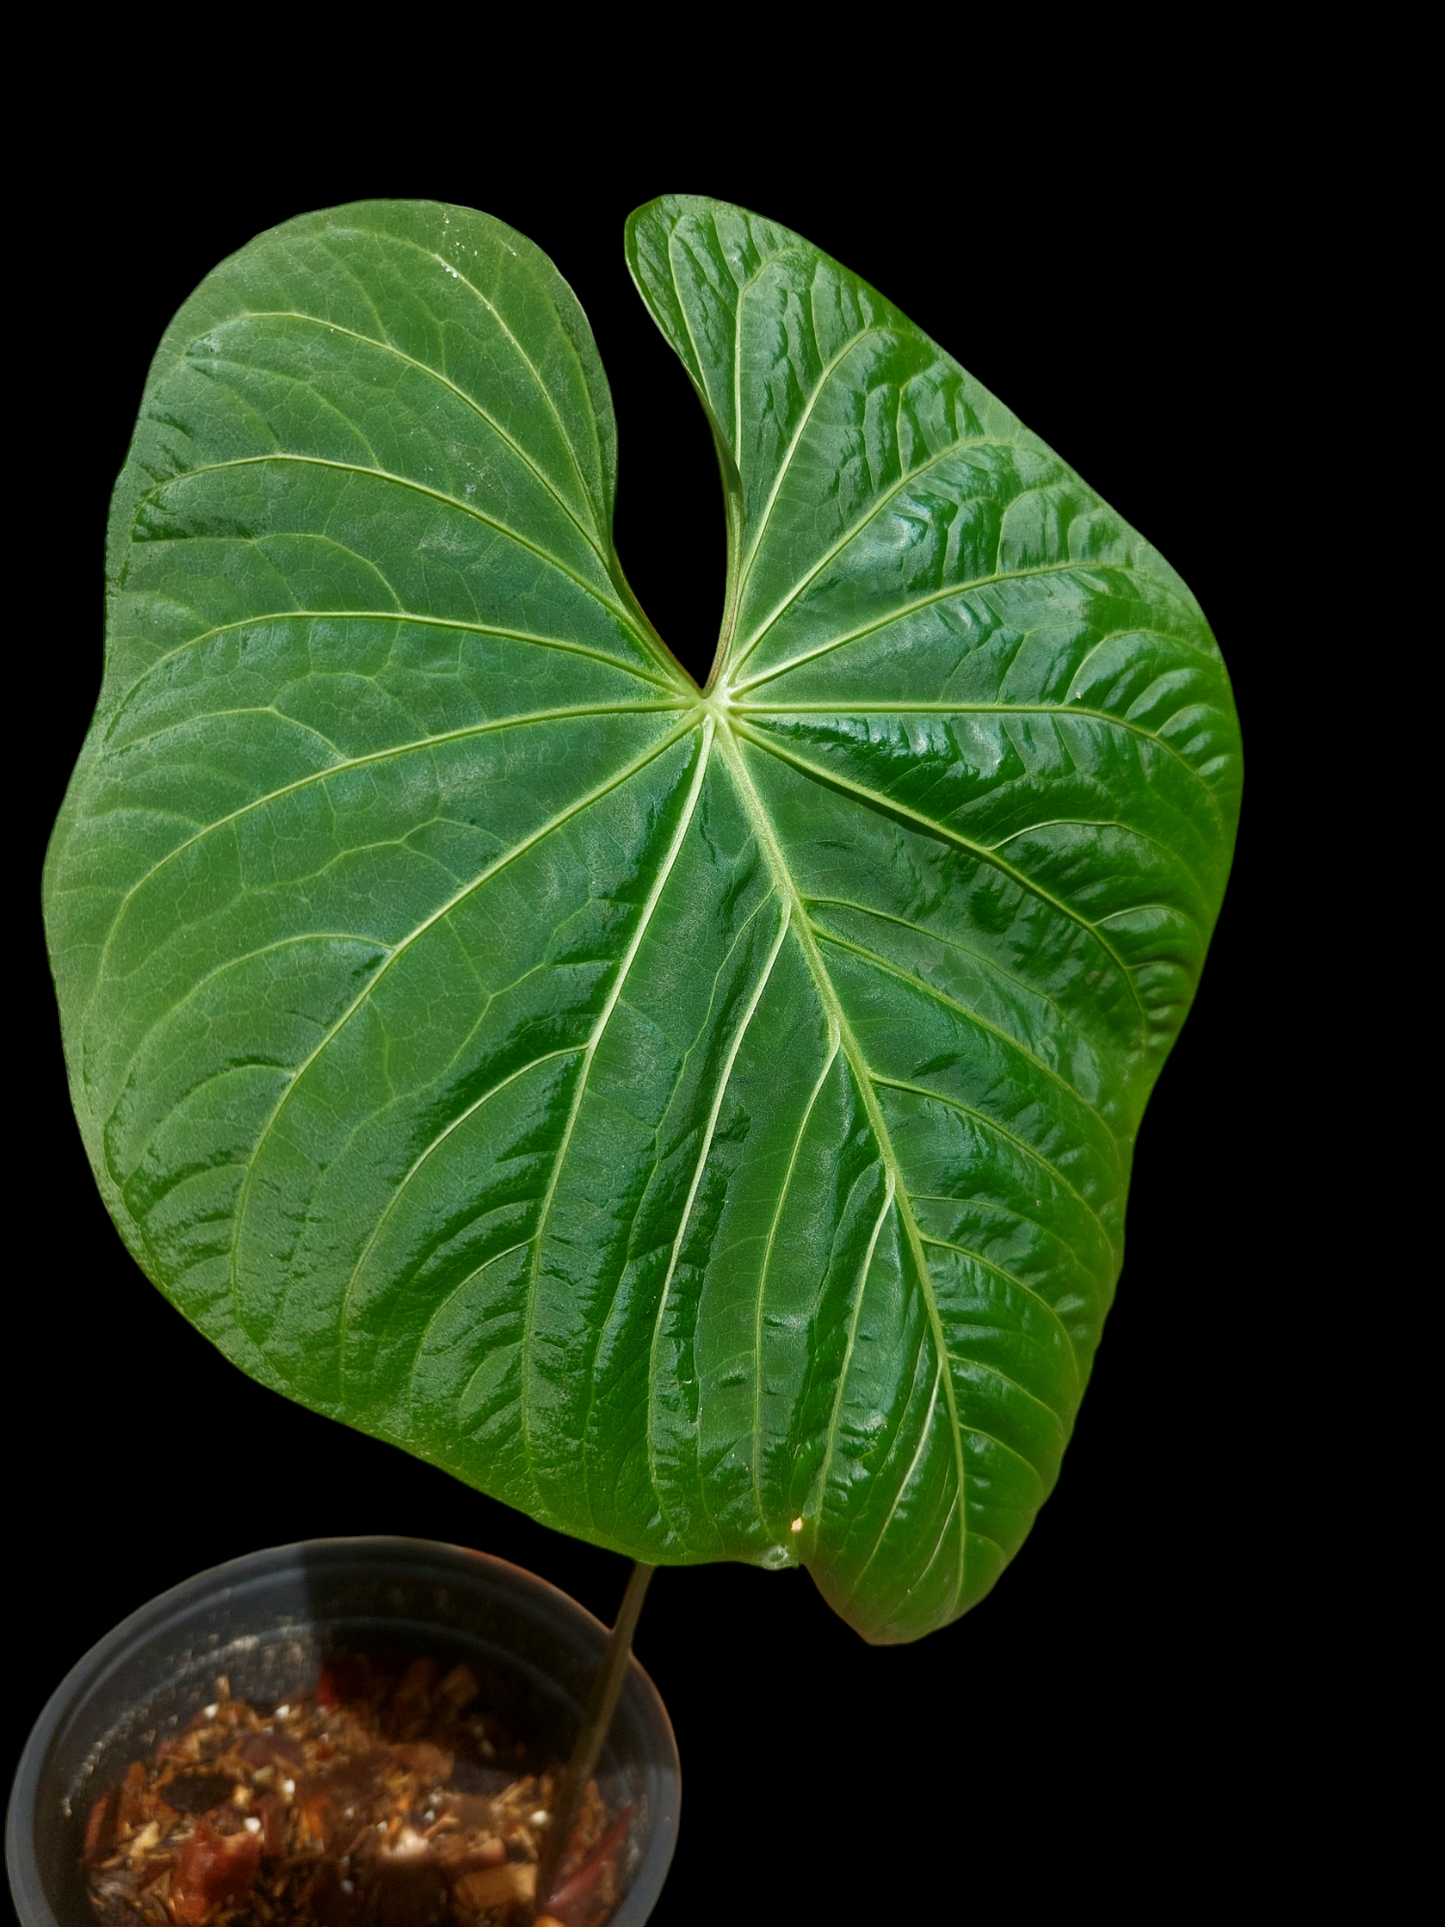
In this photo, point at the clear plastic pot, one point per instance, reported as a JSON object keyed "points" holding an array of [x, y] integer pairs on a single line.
{"points": [[263, 1622]]}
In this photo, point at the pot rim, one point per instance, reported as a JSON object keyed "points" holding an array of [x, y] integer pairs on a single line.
{"points": [[96, 1660]]}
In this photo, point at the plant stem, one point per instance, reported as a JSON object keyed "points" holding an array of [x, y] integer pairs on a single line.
{"points": [[591, 1735]]}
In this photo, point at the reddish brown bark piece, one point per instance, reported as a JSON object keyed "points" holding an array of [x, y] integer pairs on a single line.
{"points": [[213, 1868], [130, 1798], [570, 1902], [100, 1831]]}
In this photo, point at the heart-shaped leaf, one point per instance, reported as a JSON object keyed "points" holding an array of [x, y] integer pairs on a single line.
{"points": [[701, 1119]]}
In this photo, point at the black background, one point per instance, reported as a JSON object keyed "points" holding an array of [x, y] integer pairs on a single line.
{"points": [[1101, 1724]]}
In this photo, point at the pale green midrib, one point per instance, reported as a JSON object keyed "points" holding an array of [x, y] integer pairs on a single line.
{"points": [[398, 481], [560, 1157], [768, 842], [377, 615], [517, 851], [593, 534], [830, 779], [320, 776]]}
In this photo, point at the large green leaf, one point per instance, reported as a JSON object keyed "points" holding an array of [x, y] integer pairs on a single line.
{"points": [[702, 1120]]}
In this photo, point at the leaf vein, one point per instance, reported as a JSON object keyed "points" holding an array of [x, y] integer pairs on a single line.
{"points": [[768, 841], [400, 616], [879, 503], [992, 1124], [518, 850], [912, 608], [888, 805], [710, 1129], [589, 1058], [420, 488]]}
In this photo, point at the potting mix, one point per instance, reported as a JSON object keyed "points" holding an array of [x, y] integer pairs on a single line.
{"points": [[386, 1797]]}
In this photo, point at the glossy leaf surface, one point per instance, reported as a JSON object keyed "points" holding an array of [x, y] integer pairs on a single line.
{"points": [[700, 1120]]}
